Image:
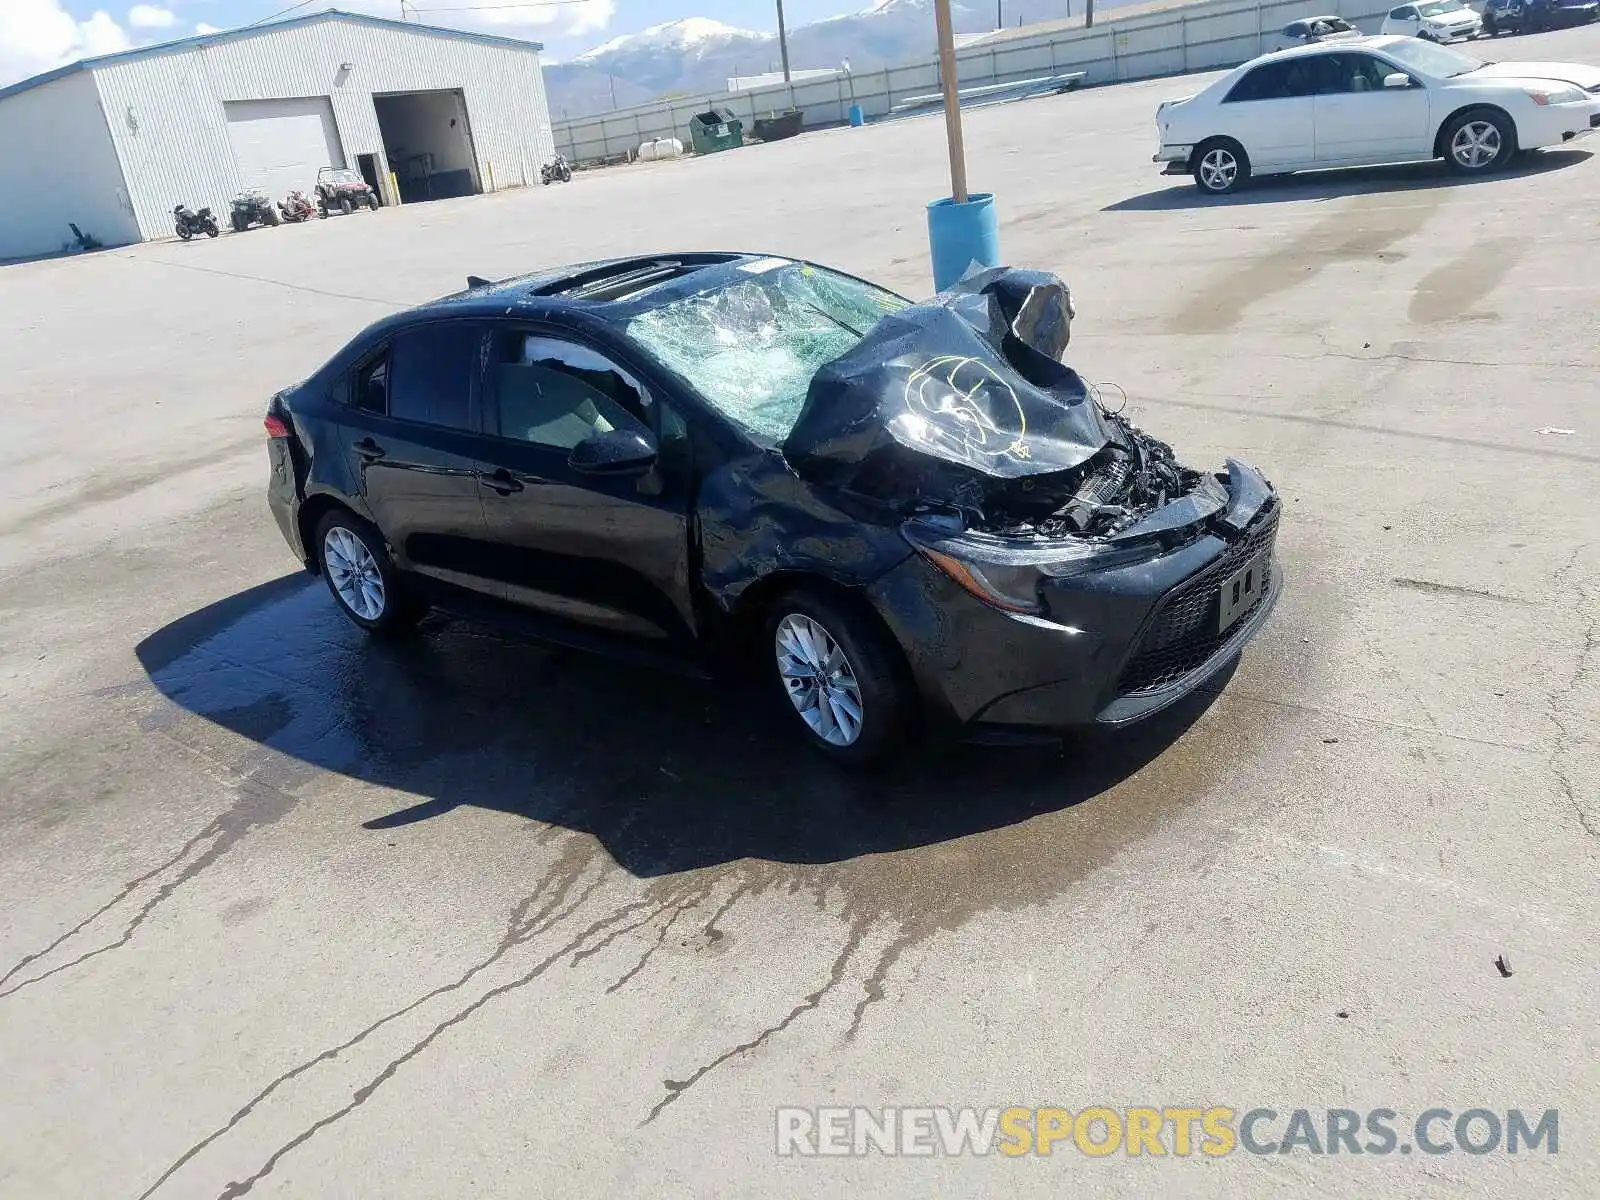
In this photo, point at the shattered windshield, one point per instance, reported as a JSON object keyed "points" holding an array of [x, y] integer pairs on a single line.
{"points": [[751, 347]]}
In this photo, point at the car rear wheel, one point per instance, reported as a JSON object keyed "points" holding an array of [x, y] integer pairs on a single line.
{"points": [[372, 201], [1479, 141], [361, 577], [1220, 167], [842, 676]]}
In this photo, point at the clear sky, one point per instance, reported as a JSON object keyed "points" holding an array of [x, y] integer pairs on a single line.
{"points": [[36, 35]]}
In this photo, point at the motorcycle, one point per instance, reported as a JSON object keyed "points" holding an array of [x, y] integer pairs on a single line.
{"points": [[190, 223], [252, 208], [556, 171], [296, 208]]}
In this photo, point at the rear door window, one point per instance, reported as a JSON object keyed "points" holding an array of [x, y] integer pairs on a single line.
{"points": [[430, 371], [1266, 82]]}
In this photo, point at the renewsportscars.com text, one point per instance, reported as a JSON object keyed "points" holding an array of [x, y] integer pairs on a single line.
{"points": [[1166, 1131]]}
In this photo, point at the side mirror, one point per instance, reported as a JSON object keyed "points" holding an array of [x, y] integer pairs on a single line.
{"points": [[1398, 80], [617, 452]]}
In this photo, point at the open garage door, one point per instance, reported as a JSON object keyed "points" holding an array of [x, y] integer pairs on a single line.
{"points": [[428, 141], [281, 144]]}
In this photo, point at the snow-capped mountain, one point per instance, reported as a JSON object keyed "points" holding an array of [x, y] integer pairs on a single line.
{"points": [[698, 55], [690, 35]]}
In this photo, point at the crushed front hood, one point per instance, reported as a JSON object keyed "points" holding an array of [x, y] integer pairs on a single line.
{"points": [[942, 396]]}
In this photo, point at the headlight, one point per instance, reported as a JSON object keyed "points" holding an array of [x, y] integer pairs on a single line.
{"points": [[1007, 577], [1555, 95]]}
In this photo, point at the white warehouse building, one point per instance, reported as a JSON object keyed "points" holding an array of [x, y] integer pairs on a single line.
{"points": [[113, 144]]}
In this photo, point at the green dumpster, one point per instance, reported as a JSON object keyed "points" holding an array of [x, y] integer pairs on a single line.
{"points": [[715, 129]]}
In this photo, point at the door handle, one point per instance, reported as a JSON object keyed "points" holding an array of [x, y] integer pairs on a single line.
{"points": [[369, 450], [501, 481]]}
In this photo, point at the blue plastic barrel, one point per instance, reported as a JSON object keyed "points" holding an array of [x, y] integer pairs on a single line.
{"points": [[857, 117], [962, 237]]}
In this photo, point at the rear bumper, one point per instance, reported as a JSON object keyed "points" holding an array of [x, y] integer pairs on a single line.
{"points": [[283, 495], [1174, 159], [1119, 645]]}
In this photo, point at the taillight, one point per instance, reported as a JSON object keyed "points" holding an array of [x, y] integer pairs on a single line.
{"points": [[276, 428]]}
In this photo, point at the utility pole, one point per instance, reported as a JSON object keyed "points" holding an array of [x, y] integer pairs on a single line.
{"points": [[613, 80], [1088, 14], [783, 42], [999, 14]]}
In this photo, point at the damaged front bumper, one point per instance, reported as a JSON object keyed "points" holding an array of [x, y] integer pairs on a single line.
{"points": [[1116, 645]]}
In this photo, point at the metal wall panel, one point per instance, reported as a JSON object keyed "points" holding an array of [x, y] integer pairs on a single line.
{"points": [[168, 124], [57, 166]]}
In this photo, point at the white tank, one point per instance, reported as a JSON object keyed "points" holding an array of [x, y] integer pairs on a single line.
{"points": [[659, 148]]}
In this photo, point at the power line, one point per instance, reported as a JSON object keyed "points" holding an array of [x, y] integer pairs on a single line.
{"points": [[276, 15]]}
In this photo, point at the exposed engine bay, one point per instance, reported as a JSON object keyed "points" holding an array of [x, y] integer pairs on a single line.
{"points": [[1132, 476], [963, 406]]}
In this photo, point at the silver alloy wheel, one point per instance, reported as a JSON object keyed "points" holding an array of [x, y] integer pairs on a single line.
{"points": [[1218, 169], [818, 679], [354, 573], [1476, 144]]}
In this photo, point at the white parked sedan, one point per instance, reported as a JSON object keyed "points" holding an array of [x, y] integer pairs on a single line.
{"points": [[1377, 100], [1434, 21]]}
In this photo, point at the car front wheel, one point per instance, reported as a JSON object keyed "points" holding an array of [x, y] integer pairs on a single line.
{"points": [[842, 676], [1477, 142], [361, 577], [1220, 167]]}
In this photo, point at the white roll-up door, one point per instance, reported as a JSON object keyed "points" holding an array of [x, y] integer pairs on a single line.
{"points": [[281, 144]]}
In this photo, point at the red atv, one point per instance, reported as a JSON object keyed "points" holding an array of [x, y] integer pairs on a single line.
{"points": [[296, 208], [343, 189]]}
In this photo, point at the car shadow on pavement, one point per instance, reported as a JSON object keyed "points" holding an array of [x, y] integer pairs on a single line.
{"points": [[1336, 184], [668, 774]]}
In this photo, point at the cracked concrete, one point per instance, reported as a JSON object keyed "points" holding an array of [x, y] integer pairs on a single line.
{"points": [[290, 913]]}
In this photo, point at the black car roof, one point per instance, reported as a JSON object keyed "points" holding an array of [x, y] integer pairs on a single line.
{"points": [[611, 287]]}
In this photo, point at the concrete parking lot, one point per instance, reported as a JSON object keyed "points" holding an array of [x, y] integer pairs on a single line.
{"points": [[287, 913]]}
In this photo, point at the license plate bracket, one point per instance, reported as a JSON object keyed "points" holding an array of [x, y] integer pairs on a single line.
{"points": [[1239, 592]]}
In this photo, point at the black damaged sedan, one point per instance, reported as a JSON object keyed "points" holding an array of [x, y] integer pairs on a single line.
{"points": [[900, 512]]}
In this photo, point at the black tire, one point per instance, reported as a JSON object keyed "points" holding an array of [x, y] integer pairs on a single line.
{"points": [[372, 201], [1489, 27], [1212, 174], [400, 610], [345, 207], [238, 223], [322, 212], [211, 229], [1481, 120], [184, 232], [272, 216], [888, 704]]}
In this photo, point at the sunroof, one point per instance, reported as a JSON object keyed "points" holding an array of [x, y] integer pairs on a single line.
{"points": [[618, 280]]}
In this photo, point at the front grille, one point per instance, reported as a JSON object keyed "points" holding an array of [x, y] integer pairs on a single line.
{"points": [[1183, 633]]}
